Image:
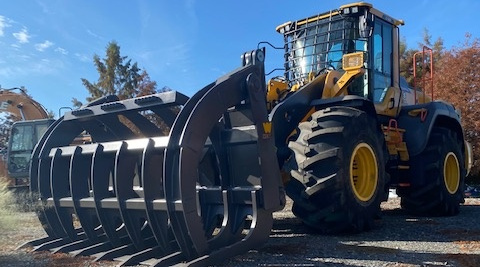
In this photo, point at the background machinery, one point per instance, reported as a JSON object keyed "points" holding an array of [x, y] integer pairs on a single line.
{"points": [[29, 121], [335, 133]]}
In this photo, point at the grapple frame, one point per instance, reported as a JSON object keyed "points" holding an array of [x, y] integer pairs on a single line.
{"points": [[201, 194]]}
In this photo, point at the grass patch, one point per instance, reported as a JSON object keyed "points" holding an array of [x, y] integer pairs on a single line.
{"points": [[7, 207], [13, 204]]}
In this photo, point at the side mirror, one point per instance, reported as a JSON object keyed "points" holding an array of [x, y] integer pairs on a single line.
{"points": [[365, 26]]}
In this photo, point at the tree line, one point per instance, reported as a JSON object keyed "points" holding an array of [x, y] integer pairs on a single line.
{"points": [[455, 80]]}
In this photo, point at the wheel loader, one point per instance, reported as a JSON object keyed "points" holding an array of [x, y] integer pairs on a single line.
{"points": [[334, 134]]}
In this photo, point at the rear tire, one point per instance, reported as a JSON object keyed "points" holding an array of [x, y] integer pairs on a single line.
{"points": [[339, 179], [437, 189]]}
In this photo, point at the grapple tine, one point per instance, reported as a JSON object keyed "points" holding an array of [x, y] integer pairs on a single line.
{"points": [[52, 244], [190, 198], [131, 202], [103, 196], [118, 251], [152, 181], [94, 249], [49, 216], [59, 185], [80, 191]]}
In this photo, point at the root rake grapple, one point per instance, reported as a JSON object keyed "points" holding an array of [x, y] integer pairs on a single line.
{"points": [[202, 194]]}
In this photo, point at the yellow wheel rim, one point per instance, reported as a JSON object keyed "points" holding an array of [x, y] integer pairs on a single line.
{"points": [[451, 173], [363, 172]]}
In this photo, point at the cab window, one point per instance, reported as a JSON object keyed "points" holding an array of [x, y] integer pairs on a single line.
{"points": [[382, 58]]}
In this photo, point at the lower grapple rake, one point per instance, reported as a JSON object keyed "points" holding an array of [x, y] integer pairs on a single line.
{"points": [[201, 194]]}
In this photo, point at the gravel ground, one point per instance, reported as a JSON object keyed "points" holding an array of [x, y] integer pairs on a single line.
{"points": [[398, 240]]}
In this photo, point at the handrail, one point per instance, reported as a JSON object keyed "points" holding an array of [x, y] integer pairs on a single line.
{"points": [[426, 61]]}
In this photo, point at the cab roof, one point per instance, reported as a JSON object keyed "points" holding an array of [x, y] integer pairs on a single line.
{"points": [[341, 9]]}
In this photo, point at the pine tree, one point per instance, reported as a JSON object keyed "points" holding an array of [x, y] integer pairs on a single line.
{"points": [[118, 76]]}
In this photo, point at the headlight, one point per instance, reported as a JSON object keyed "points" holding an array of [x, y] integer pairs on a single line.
{"points": [[352, 61]]}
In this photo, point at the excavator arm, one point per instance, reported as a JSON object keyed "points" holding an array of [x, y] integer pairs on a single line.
{"points": [[21, 105], [29, 120]]}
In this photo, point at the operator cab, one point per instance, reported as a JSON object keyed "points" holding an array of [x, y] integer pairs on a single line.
{"points": [[23, 138], [318, 43]]}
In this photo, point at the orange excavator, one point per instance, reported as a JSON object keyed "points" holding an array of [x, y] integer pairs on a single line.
{"points": [[29, 121]]}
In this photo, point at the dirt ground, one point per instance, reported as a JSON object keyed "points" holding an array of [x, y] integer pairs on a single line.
{"points": [[389, 245]]}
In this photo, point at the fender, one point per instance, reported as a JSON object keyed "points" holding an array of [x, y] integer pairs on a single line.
{"points": [[286, 116], [418, 130]]}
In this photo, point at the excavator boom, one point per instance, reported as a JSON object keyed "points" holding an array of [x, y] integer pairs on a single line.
{"points": [[29, 121], [21, 105]]}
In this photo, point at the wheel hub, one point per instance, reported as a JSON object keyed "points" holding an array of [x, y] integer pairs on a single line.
{"points": [[363, 172], [451, 173]]}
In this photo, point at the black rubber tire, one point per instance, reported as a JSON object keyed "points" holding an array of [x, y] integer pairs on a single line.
{"points": [[428, 194], [324, 197]]}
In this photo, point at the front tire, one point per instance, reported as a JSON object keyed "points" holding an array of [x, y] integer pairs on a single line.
{"points": [[339, 179], [439, 174]]}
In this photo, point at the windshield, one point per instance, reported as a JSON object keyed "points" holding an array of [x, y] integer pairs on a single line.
{"points": [[316, 44], [24, 137]]}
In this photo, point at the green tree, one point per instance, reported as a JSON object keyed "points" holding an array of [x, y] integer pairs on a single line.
{"points": [[436, 46], [406, 57], [145, 85], [6, 122], [118, 76], [406, 61]]}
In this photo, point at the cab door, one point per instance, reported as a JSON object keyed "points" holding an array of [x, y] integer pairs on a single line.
{"points": [[381, 61]]}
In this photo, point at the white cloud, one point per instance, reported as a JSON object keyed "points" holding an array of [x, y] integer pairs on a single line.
{"points": [[22, 36], [94, 34], [3, 24], [42, 46], [44, 67], [39, 67], [21, 57], [44, 7], [83, 57], [62, 51], [8, 71]]}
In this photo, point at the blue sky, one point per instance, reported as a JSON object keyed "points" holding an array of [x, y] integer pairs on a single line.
{"points": [[48, 45]]}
